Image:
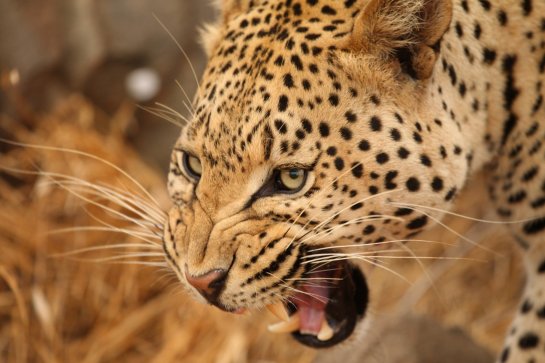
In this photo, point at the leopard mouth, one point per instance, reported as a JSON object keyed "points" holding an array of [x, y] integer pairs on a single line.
{"points": [[326, 307]]}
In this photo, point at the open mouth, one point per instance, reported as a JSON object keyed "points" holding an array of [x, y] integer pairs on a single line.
{"points": [[326, 307]]}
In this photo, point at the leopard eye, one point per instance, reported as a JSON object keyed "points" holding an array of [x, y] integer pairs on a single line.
{"points": [[192, 166], [291, 180]]}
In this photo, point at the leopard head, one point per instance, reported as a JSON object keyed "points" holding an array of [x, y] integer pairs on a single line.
{"points": [[312, 123]]}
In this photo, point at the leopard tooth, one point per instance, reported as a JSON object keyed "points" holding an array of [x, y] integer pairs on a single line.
{"points": [[279, 310], [286, 326], [326, 332]]}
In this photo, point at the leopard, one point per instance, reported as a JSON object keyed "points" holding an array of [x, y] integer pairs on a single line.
{"points": [[322, 126]]}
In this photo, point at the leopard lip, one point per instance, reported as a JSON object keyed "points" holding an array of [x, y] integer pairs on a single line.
{"points": [[346, 304]]}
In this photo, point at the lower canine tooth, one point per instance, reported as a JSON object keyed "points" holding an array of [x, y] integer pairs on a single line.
{"points": [[279, 311], [286, 326], [326, 332]]}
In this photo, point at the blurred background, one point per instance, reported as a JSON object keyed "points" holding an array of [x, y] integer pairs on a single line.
{"points": [[76, 74]]}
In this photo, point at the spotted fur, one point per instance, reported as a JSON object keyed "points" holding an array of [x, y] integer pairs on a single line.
{"points": [[385, 102]]}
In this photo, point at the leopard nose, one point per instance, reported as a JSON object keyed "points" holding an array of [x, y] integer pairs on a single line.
{"points": [[208, 285]]}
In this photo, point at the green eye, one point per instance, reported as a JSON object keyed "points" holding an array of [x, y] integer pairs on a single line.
{"points": [[291, 180], [192, 166]]}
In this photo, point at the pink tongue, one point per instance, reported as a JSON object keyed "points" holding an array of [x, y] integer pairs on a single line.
{"points": [[311, 303]]}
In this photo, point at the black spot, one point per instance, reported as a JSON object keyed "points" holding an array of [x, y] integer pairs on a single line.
{"points": [[357, 170], [502, 17], [282, 103], [477, 31], [462, 89], [535, 226], [313, 36], [526, 7], [437, 184], [517, 197], [505, 355], [541, 268], [288, 80], [528, 341], [451, 193], [364, 145], [280, 126], [413, 184], [356, 206], [418, 222], [346, 134], [300, 134], [425, 160], [417, 137], [333, 100], [339, 164], [324, 129], [541, 313], [331, 151], [376, 124], [400, 212], [403, 153], [368, 230], [395, 134], [296, 61], [489, 55], [328, 10], [382, 158], [485, 4], [459, 30], [350, 116], [389, 180], [526, 307], [307, 126]]}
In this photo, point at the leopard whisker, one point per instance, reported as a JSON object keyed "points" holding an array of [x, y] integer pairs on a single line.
{"points": [[488, 221], [363, 200], [104, 247], [90, 156], [102, 193], [373, 262], [173, 111], [140, 235], [461, 236], [180, 48], [327, 232], [383, 243], [189, 104], [161, 114]]}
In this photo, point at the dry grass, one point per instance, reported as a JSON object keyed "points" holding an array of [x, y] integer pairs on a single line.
{"points": [[61, 309]]}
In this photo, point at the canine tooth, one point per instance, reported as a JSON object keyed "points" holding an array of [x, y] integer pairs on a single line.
{"points": [[279, 311], [325, 332], [286, 326]]}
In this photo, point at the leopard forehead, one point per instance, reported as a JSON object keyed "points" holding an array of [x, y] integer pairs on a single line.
{"points": [[279, 69]]}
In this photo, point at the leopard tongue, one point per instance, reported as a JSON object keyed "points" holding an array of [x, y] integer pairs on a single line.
{"points": [[311, 302]]}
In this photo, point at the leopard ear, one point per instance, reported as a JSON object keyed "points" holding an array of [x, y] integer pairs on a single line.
{"points": [[229, 8], [210, 34], [406, 30]]}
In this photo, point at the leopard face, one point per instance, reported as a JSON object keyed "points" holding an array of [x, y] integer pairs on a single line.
{"points": [[311, 135]]}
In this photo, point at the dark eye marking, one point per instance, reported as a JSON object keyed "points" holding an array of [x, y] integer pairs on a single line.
{"points": [[274, 186]]}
